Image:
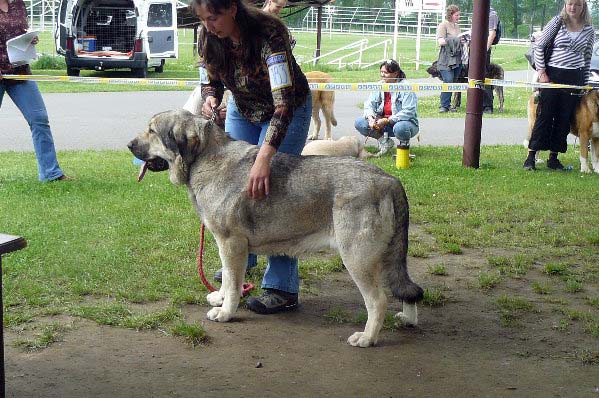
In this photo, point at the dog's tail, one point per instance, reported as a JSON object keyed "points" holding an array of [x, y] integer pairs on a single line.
{"points": [[396, 257]]}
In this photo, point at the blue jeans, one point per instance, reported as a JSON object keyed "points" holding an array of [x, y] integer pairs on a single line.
{"points": [[449, 76], [28, 99], [281, 272], [402, 130]]}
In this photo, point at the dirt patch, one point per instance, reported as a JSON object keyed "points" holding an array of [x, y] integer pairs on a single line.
{"points": [[459, 349]]}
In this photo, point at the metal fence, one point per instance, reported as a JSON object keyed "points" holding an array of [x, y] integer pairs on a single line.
{"points": [[354, 20], [373, 21]]}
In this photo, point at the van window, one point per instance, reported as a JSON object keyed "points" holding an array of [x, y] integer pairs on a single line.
{"points": [[160, 15]]}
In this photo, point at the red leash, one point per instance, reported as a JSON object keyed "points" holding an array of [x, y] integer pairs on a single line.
{"points": [[200, 262], [246, 288]]}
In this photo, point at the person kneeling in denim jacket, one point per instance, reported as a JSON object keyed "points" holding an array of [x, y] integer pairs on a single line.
{"points": [[394, 113]]}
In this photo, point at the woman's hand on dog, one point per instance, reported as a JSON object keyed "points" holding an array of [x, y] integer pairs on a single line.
{"points": [[209, 104], [371, 122], [382, 122], [258, 185]]}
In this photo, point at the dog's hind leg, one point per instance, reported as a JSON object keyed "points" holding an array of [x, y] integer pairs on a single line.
{"points": [[315, 118], [328, 103], [499, 92], [360, 235], [595, 154], [233, 253], [584, 154], [371, 287], [456, 100], [327, 122], [409, 314]]}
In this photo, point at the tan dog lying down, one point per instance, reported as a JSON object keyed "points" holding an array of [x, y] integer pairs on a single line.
{"points": [[344, 146]]}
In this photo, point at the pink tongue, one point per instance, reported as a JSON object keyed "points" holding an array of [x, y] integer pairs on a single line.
{"points": [[142, 171]]}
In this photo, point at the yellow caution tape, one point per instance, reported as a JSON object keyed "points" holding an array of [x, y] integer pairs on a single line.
{"points": [[472, 83], [415, 87], [392, 87], [106, 80]]}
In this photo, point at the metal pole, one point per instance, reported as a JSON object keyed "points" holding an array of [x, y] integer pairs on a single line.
{"points": [[318, 33], [418, 35], [476, 71], [395, 29], [2, 378]]}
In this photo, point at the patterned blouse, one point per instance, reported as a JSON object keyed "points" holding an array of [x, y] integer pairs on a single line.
{"points": [[273, 89], [12, 23], [568, 53]]}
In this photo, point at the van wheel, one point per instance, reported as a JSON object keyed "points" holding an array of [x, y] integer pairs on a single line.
{"points": [[73, 72], [160, 69], [141, 73]]}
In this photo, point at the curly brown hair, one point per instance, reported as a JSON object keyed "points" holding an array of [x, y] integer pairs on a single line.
{"points": [[451, 9]]}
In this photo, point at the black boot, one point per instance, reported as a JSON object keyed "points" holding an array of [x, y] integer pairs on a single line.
{"points": [[553, 162], [529, 163]]}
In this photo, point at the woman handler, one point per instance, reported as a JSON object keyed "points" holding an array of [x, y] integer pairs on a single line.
{"points": [[249, 51]]}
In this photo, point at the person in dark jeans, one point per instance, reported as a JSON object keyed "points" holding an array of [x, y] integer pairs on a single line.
{"points": [[488, 94], [449, 61]]}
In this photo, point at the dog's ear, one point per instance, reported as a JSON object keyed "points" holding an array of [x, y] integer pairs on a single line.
{"points": [[182, 143], [184, 134]]}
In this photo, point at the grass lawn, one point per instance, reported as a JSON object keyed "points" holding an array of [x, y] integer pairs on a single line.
{"points": [[101, 244]]}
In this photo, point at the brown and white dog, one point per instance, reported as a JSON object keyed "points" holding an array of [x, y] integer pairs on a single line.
{"points": [[584, 125], [322, 100]]}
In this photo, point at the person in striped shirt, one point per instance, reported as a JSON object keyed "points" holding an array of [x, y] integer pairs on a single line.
{"points": [[573, 37]]}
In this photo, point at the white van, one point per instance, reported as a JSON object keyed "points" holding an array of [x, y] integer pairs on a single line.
{"points": [[110, 34]]}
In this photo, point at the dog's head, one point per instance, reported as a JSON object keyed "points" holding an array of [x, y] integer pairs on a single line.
{"points": [[171, 142], [433, 71]]}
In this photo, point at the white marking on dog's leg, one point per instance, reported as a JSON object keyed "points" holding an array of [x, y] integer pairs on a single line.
{"points": [[217, 314], [233, 252], [216, 298], [584, 166], [409, 314], [595, 155]]}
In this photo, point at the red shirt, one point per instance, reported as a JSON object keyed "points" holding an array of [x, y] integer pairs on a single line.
{"points": [[387, 108], [12, 23]]}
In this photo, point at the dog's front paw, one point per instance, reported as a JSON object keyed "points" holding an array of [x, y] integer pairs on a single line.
{"points": [[215, 298], [217, 314], [313, 136], [359, 339]]}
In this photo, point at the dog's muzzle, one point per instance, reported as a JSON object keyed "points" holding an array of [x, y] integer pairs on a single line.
{"points": [[154, 164]]}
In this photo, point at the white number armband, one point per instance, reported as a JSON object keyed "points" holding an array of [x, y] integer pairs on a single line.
{"points": [[204, 79], [278, 70]]}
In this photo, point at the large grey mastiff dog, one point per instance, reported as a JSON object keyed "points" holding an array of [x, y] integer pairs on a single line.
{"points": [[316, 204]]}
